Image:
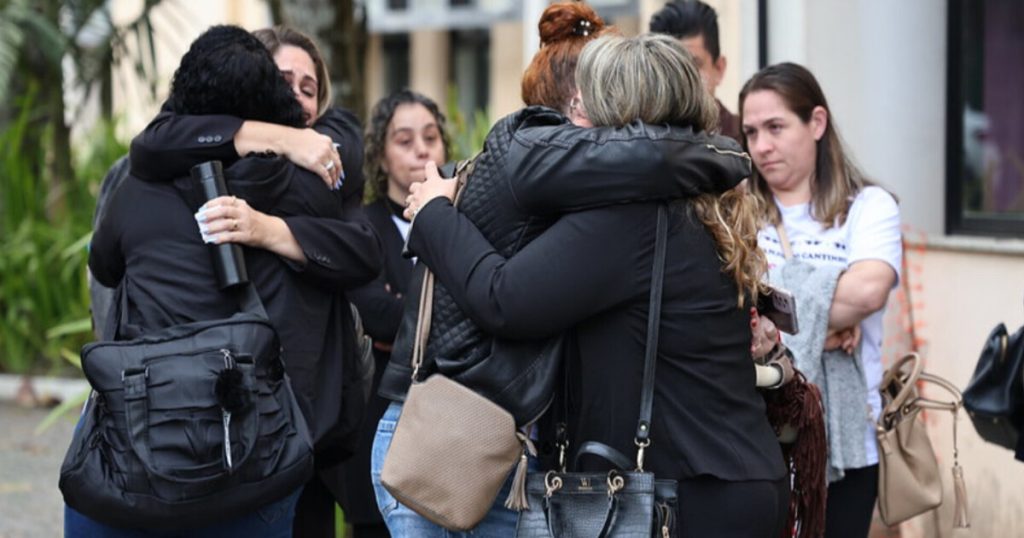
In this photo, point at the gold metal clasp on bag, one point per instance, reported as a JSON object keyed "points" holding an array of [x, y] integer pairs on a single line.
{"points": [[552, 483], [640, 447], [615, 482]]}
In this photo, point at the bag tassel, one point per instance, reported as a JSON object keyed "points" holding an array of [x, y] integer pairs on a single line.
{"points": [[516, 499], [960, 518]]}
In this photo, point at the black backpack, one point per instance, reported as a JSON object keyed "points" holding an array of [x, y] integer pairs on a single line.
{"points": [[186, 426]]}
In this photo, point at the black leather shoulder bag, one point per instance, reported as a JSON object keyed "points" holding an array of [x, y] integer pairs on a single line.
{"points": [[995, 395], [186, 426], [620, 502]]}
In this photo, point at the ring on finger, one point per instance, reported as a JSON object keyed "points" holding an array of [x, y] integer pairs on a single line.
{"points": [[234, 225], [329, 165]]}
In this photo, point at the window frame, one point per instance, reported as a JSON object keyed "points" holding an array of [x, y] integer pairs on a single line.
{"points": [[957, 222]]}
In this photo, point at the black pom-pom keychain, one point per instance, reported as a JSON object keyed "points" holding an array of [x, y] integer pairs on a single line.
{"points": [[231, 391]]}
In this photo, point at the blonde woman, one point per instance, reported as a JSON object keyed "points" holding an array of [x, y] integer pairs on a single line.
{"points": [[590, 271]]}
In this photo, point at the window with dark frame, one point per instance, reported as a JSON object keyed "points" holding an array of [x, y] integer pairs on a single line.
{"points": [[395, 52], [985, 118], [469, 69]]}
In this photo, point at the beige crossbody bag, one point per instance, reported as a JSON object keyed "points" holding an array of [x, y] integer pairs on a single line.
{"points": [[452, 449]]}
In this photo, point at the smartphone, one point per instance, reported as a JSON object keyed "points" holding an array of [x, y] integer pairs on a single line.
{"points": [[779, 305]]}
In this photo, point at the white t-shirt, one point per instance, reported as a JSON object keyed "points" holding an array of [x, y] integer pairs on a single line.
{"points": [[871, 232]]}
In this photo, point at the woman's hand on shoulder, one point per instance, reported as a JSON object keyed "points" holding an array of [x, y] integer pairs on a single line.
{"points": [[433, 187], [305, 147], [317, 153]]}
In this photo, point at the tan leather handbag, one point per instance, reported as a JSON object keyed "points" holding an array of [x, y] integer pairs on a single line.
{"points": [[909, 482], [452, 449]]}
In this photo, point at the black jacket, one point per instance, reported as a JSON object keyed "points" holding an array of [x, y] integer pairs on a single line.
{"points": [[380, 306], [307, 304], [534, 166], [592, 271]]}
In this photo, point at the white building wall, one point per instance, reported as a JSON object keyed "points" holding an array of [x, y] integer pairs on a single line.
{"points": [[177, 23], [882, 66]]}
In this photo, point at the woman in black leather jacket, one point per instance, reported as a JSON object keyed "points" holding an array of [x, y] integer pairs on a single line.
{"points": [[535, 165], [591, 272]]}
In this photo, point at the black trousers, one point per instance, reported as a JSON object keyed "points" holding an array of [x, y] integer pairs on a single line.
{"points": [[851, 501], [750, 509], [314, 513]]}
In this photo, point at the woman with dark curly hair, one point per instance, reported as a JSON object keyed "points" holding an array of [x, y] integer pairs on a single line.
{"points": [[406, 130], [149, 245], [327, 142]]}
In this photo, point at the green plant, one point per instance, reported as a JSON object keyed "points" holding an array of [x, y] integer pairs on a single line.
{"points": [[466, 135], [43, 263]]}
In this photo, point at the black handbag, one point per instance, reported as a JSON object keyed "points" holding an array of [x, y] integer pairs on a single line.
{"points": [[188, 425], [994, 398], [619, 502]]}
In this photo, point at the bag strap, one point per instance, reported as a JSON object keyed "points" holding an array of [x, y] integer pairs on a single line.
{"points": [[423, 317], [787, 250], [643, 429], [907, 384]]}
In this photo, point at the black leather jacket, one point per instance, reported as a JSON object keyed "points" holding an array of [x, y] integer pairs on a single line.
{"points": [[535, 165]]}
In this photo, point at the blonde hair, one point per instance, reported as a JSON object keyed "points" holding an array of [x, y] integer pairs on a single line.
{"points": [[650, 78], [733, 220], [274, 38]]}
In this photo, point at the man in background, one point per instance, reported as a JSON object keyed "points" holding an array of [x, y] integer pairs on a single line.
{"points": [[695, 25]]}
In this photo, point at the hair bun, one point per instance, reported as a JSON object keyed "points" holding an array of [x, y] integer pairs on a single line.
{"points": [[568, 20]]}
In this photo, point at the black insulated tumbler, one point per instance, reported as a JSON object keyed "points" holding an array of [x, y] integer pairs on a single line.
{"points": [[228, 260]]}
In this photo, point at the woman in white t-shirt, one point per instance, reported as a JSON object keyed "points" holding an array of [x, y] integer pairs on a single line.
{"points": [[836, 219]]}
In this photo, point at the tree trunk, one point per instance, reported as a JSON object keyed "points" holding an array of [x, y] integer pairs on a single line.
{"points": [[276, 12], [58, 156], [346, 40]]}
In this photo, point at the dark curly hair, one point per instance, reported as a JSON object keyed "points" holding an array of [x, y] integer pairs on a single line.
{"points": [[377, 133], [228, 71]]}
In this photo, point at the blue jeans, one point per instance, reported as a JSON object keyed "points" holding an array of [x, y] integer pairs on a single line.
{"points": [[272, 521], [500, 522]]}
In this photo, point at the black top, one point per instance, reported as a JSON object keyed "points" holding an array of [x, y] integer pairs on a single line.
{"points": [[380, 305], [534, 166], [149, 238], [380, 302], [591, 270]]}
